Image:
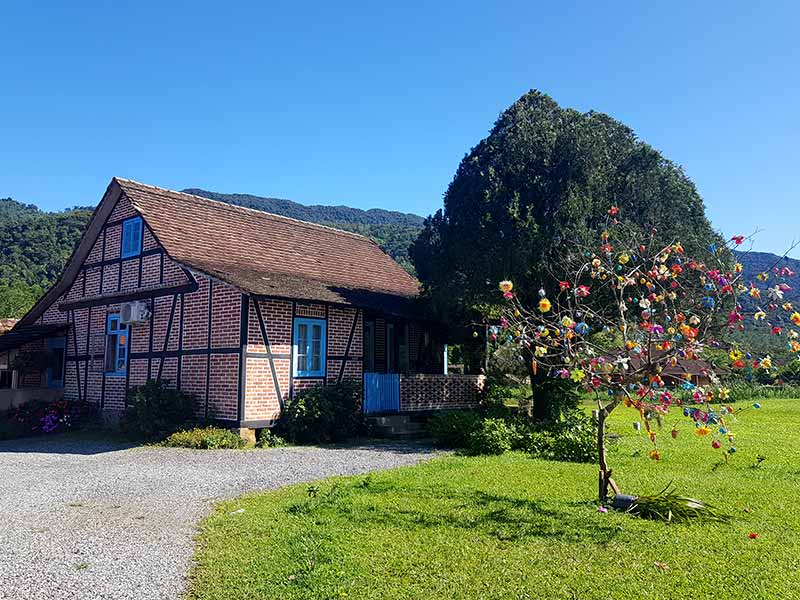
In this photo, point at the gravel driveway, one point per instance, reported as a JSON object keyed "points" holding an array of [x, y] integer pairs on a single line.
{"points": [[87, 519]]}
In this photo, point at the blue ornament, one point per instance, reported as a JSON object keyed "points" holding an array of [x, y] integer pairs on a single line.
{"points": [[756, 405]]}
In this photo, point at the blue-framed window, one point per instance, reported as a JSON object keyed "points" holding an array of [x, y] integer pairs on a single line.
{"points": [[309, 347], [132, 237], [116, 346]]}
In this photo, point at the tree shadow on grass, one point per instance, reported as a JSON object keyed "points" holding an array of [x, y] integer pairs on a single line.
{"points": [[503, 517]]}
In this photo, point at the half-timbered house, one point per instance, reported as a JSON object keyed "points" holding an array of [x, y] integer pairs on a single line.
{"points": [[239, 308]]}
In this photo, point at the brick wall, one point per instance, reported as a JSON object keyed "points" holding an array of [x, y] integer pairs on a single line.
{"points": [[262, 399], [436, 392]]}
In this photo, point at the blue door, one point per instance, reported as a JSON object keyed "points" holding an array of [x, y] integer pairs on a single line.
{"points": [[381, 392], [55, 362]]}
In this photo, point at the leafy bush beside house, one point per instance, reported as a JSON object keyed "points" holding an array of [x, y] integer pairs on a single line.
{"points": [[329, 413], [497, 428], [156, 410]]}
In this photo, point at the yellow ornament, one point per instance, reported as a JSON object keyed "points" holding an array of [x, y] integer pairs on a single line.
{"points": [[577, 375]]}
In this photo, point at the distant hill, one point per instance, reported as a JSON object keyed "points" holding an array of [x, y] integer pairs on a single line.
{"points": [[393, 231], [759, 262], [35, 245], [316, 213]]}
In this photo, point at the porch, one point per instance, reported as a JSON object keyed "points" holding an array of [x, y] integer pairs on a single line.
{"points": [[406, 369], [386, 393], [32, 364]]}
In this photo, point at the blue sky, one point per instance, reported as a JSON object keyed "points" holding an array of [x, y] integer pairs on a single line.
{"points": [[374, 104]]}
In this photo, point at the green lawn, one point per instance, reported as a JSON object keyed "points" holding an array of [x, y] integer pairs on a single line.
{"points": [[514, 527]]}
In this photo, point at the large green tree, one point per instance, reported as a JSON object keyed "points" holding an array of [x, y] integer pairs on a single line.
{"points": [[544, 177]]}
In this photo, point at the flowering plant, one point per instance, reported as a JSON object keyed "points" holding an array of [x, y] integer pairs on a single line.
{"points": [[51, 417]]}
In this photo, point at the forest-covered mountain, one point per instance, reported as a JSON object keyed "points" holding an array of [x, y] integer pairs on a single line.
{"points": [[316, 213], [35, 245], [393, 231]]}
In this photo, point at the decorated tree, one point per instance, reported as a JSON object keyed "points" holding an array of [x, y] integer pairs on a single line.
{"points": [[633, 321]]}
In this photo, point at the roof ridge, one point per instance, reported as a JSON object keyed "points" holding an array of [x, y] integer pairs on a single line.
{"points": [[248, 209]]}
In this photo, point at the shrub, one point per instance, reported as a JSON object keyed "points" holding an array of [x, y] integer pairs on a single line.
{"points": [[326, 413], [269, 439], [494, 436], [156, 410], [453, 429], [573, 438], [742, 391], [205, 438]]}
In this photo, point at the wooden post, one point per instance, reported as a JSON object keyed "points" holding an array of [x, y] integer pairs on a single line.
{"points": [[603, 476], [604, 480]]}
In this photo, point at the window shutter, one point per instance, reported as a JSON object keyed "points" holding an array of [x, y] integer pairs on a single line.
{"points": [[136, 246], [126, 238]]}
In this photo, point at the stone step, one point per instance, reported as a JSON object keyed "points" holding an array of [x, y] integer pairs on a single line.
{"points": [[398, 426]]}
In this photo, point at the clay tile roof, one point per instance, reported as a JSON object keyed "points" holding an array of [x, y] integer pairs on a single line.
{"points": [[271, 255]]}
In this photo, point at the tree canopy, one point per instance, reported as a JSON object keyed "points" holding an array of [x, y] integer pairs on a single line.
{"points": [[544, 175]]}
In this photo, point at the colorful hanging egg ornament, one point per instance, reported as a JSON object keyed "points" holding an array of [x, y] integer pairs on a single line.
{"points": [[544, 305], [506, 286]]}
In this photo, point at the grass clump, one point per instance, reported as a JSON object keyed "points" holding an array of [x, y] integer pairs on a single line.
{"points": [[671, 507], [205, 438], [269, 439]]}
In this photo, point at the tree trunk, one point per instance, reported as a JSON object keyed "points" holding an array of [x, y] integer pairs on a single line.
{"points": [[541, 403], [604, 480], [605, 474]]}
